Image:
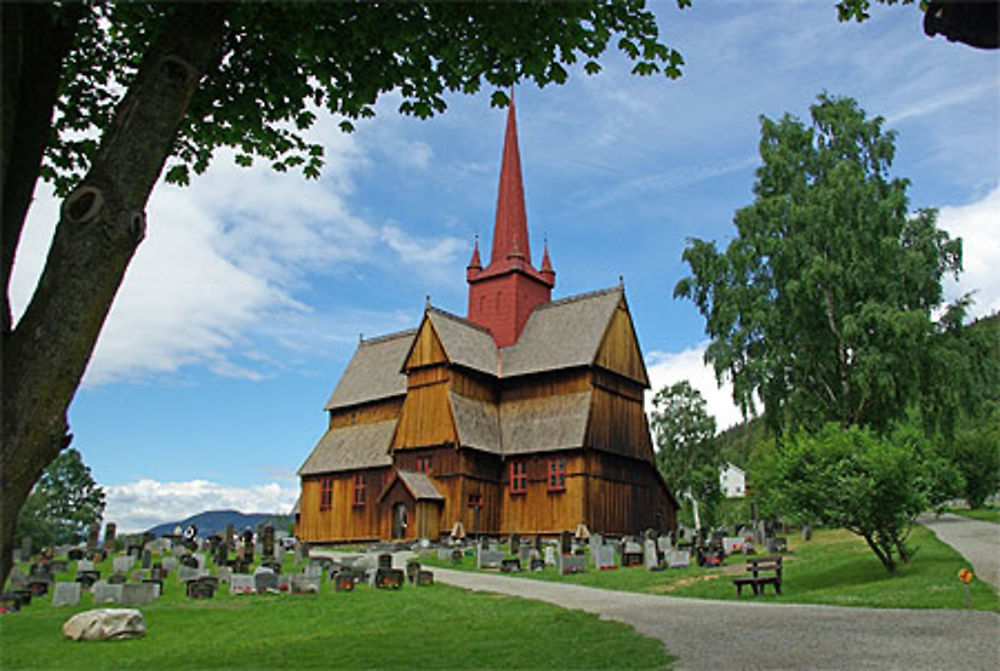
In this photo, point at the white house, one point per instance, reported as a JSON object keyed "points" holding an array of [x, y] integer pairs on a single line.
{"points": [[733, 481]]}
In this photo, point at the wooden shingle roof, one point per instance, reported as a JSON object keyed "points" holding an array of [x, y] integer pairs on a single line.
{"points": [[477, 422], [374, 372], [351, 447], [561, 334], [418, 484], [544, 424], [465, 343]]}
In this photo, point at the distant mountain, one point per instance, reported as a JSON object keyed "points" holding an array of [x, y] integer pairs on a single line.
{"points": [[215, 521]]}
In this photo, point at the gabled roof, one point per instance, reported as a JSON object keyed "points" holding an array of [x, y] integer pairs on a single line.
{"points": [[351, 447], [561, 334], [477, 422], [465, 343], [418, 484], [544, 424], [374, 371]]}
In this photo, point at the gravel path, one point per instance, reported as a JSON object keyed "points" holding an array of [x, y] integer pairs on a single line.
{"points": [[977, 541], [716, 634]]}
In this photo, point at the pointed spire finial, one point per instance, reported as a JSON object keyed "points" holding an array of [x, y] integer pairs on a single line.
{"points": [[546, 267], [510, 229], [427, 302], [621, 282], [475, 263]]}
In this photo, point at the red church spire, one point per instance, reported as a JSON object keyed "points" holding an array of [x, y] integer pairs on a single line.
{"points": [[510, 230], [503, 294]]}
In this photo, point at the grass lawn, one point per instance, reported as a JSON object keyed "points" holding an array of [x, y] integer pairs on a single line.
{"points": [[835, 567], [431, 627], [987, 514]]}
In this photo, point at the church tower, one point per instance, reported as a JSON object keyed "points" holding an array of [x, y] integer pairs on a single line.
{"points": [[503, 294]]}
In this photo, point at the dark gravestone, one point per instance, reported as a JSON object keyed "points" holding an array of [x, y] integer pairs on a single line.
{"points": [[304, 549], [510, 566], [248, 545], [389, 578], [75, 554], [110, 530], [273, 565], [200, 589], [158, 572], [117, 579], [190, 561], [88, 578], [269, 541], [147, 559], [537, 564], [515, 543], [26, 548], [58, 566], [456, 556], [265, 581], [38, 587], [133, 550], [95, 532], [425, 578], [343, 581], [412, 569], [385, 561], [566, 543]]}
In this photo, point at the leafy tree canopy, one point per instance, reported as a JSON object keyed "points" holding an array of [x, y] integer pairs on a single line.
{"points": [[64, 503], [852, 478], [821, 306], [101, 97], [687, 451]]}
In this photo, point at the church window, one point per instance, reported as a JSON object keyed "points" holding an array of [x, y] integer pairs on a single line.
{"points": [[425, 464], [518, 477], [326, 494], [359, 489], [557, 474]]}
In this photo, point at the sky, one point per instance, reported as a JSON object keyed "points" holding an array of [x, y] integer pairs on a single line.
{"points": [[246, 300]]}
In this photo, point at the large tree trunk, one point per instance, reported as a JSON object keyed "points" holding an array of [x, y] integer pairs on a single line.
{"points": [[101, 223]]}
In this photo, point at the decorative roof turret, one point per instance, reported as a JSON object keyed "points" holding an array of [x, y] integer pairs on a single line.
{"points": [[546, 270]]}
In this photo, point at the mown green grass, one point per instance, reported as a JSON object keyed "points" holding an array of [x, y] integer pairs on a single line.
{"points": [[431, 627], [988, 514], [835, 567]]}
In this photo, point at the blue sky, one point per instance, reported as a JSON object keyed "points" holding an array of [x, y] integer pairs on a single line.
{"points": [[246, 300]]}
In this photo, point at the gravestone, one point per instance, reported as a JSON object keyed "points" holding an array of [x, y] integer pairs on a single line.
{"points": [[456, 556], [147, 559], [444, 553], [75, 554], [510, 566], [515, 543], [137, 575], [92, 535], [678, 559], [117, 579], [139, 594], [279, 553], [566, 543], [650, 557], [87, 578], [185, 573], [550, 555], [604, 558], [200, 589], [265, 581], [170, 563], [596, 541], [304, 584], [489, 559], [572, 564], [26, 548], [17, 579], [412, 569], [389, 578], [537, 564], [241, 583], [248, 545], [122, 564], [110, 531], [224, 574], [84, 565], [268, 541], [343, 581], [201, 559], [314, 570], [158, 583], [524, 553], [66, 594], [425, 578], [664, 544], [105, 592], [158, 572], [631, 554], [731, 544]]}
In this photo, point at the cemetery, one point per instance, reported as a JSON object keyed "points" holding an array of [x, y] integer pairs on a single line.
{"points": [[177, 597]]}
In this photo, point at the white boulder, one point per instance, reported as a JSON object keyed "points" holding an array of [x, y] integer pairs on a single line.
{"points": [[103, 624]]}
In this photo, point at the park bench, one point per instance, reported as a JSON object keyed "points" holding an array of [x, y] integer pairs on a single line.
{"points": [[765, 570]]}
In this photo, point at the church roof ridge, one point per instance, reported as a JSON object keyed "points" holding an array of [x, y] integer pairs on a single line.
{"points": [[388, 336], [458, 318], [579, 297]]}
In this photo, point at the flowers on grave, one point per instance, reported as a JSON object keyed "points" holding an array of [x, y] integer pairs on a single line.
{"points": [[965, 575]]}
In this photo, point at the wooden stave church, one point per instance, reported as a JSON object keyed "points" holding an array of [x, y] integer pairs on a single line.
{"points": [[525, 417]]}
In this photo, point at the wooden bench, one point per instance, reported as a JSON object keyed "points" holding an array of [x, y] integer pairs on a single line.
{"points": [[760, 567]]}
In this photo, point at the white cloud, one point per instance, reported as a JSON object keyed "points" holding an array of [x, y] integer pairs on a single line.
{"points": [[978, 224], [667, 368], [137, 506]]}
